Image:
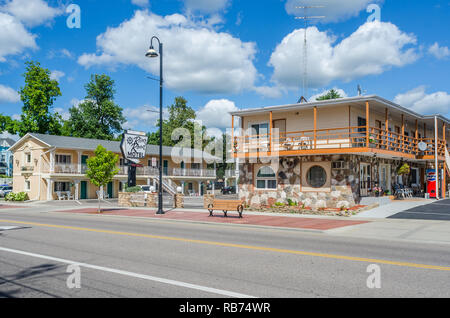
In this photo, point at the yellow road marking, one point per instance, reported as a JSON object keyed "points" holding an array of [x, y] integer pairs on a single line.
{"points": [[241, 246]]}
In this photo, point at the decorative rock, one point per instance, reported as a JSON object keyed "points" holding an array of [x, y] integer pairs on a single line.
{"points": [[320, 204], [343, 205]]}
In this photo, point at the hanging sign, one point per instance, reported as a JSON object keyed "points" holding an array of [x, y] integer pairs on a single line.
{"points": [[134, 145]]}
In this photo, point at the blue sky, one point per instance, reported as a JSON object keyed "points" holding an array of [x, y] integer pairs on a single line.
{"points": [[223, 55]]}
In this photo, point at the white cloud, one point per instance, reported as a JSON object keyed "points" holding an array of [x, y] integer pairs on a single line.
{"points": [[196, 58], [270, 91], [324, 92], [144, 116], [65, 114], [14, 38], [440, 52], [8, 95], [215, 114], [333, 10], [206, 6], [428, 104], [62, 53], [372, 49], [57, 75], [31, 12], [141, 3]]}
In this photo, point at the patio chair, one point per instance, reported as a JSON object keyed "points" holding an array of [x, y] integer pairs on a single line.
{"points": [[60, 195], [70, 196]]}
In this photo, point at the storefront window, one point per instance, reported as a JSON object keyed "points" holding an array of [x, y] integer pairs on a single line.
{"points": [[316, 177], [266, 178]]}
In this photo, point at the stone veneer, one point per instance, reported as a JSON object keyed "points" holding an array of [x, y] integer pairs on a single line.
{"points": [[344, 182], [125, 197]]}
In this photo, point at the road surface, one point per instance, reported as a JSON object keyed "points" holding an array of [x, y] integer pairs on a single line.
{"points": [[126, 257]]}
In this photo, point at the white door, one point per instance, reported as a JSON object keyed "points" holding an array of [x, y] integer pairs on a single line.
{"points": [[365, 179], [385, 177]]}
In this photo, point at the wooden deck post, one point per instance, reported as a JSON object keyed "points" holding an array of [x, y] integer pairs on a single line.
{"points": [[403, 133], [271, 131], [367, 124], [232, 135], [315, 127], [387, 127]]}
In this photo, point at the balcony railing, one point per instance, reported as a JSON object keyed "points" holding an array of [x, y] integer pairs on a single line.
{"points": [[123, 170], [335, 139]]}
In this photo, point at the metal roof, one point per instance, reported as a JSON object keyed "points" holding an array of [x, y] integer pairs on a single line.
{"points": [[334, 102], [114, 146]]}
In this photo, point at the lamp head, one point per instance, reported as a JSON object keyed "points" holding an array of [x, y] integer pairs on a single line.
{"points": [[151, 53]]}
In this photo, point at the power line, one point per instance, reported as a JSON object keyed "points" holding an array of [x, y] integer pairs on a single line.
{"points": [[306, 18]]}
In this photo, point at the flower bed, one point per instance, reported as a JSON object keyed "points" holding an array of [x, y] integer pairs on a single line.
{"points": [[309, 211]]}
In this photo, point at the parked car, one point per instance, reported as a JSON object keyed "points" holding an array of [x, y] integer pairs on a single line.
{"points": [[4, 190], [228, 190]]}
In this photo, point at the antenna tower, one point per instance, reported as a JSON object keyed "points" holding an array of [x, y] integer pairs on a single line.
{"points": [[306, 18]]}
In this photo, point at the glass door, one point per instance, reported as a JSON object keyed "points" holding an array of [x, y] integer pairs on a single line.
{"points": [[365, 179]]}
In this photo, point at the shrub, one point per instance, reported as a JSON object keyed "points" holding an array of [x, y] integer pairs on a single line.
{"points": [[279, 204], [17, 197], [292, 203], [133, 189]]}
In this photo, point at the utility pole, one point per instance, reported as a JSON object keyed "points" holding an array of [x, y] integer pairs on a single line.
{"points": [[306, 18]]}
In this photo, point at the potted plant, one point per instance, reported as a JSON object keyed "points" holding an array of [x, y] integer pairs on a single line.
{"points": [[377, 191]]}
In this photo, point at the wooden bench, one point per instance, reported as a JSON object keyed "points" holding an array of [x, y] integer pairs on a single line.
{"points": [[138, 199], [225, 206]]}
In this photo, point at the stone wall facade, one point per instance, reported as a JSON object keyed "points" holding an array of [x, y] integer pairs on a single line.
{"points": [[125, 200], [343, 189], [179, 201]]}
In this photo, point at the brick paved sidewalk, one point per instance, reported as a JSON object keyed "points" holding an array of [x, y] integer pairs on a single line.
{"points": [[249, 219]]}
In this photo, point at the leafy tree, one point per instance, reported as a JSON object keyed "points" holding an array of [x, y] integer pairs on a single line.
{"points": [[98, 117], [38, 96], [180, 116], [332, 94], [102, 168]]}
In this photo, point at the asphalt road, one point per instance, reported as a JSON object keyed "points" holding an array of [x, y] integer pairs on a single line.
{"points": [[125, 257], [439, 211]]}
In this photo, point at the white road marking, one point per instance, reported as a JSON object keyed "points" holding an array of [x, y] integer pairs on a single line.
{"points": [[131, 274], [419, 212]]}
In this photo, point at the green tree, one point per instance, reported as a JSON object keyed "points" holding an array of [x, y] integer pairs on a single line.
{"points": [[180, 116], [38, 96], [97, 117], [332, 94], [102, 168]]}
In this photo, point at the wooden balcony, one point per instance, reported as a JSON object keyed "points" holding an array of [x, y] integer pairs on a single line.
{"points": [[345, 140]]}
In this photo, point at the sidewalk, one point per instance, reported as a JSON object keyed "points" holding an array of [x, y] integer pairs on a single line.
{"points": [[252, 219], [392, 208]]}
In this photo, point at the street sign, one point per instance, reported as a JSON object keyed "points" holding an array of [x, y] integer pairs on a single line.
{"points": [[134, 146]]}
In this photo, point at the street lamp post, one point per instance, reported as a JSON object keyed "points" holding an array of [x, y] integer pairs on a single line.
{"points": [[151, 53]]}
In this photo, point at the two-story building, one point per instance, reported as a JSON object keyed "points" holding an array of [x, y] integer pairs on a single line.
{"points": [[335, 150], [6, 157], [45, 165]]}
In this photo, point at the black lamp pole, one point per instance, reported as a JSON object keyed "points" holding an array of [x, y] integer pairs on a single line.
{"points": [[153, 53]]}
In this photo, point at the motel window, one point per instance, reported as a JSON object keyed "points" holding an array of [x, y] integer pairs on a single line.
{"points": [[196, 166], [316, 177], [27, 185], [28, 157], [266, 178], [62, 186], [63, 159], [362, 123]]}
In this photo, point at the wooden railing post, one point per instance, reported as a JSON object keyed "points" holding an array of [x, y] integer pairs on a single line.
{"points": [[232, 136], [403, 133], [315, 127], [270, 132], [387, 128], [367, 124]]}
